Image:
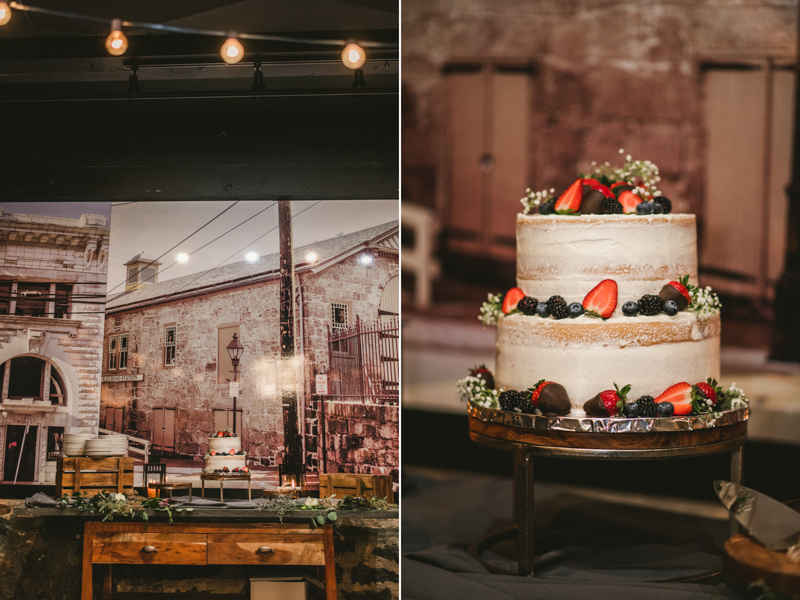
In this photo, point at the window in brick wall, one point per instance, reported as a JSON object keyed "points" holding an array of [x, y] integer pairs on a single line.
{"points": [[170, 345], [113, 352], [25, 299], [32, 377], [340, 321], [123, 351]]}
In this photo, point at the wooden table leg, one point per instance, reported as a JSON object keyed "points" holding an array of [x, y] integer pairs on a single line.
{"points": [[203, 488], [221, 499], [86, 570], [524, 477], [330, 564], [107, 581], [249, 493], [736, 477]]}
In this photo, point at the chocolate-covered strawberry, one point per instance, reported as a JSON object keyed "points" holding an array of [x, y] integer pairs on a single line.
{"points": [[592, 203], [482, 372], [550, 398], [678, 292], [608, 403], [706, 396]]}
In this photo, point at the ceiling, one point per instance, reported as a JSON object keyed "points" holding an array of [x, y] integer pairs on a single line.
{"points": [[46, 57]]}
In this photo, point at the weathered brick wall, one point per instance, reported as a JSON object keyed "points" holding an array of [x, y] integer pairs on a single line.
{"points": [[359, 438], [608, 75], [191, 386]]}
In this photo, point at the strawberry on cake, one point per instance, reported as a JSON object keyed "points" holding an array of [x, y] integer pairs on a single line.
{"points": [[225, 455]]}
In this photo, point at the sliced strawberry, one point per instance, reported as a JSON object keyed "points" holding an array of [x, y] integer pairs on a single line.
{"points": [[219, 434], [513, 296], [613, 185], [537, 391], [570, 201], [629, 200], [680, 395], [592, 183], [232, 452], [602, 300], [682, 289]]}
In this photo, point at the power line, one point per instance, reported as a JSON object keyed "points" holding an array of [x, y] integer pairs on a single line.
{"points": [[136, 205], [238, 251], [171, 249]]}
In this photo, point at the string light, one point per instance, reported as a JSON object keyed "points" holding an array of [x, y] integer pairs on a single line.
{"points": [[232, 51], [353, 56], [251, 257], [116, 42], [366, 259], [311, 257], [5, 13]]}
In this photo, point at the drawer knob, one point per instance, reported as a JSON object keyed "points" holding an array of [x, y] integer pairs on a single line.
{"points": [[264, 550], [149, 550]]}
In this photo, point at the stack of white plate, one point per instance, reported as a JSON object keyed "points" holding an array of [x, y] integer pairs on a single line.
{"points": [[97, 448], [74, 443], [119, 443]]}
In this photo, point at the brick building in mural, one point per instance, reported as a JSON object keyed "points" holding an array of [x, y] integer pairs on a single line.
{"points": [[166, 371], [52, 289]]}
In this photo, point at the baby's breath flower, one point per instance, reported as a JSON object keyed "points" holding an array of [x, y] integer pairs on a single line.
{"points": [[491, 310], [473, 389], [535, 199]]}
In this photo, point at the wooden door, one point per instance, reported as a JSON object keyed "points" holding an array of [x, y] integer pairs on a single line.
{"points": [[14, 446], [164, 429], [487, 147], [223, 419]]}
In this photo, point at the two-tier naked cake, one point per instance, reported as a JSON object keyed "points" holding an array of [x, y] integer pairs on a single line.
{"points": [[225, 454], [606, 319]]}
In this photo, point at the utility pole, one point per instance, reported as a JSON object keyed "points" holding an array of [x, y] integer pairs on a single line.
{"points": [[291, 434], [786, 319]]}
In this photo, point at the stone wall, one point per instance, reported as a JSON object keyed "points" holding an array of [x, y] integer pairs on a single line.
{"points": [[607, 75], [359, 438], [191, 385]]}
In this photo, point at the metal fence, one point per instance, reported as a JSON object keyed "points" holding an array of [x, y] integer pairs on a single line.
{"points": [[365, 362]]}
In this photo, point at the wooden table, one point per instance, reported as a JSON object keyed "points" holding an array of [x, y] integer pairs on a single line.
{"points": [[113, 543], [221, 478], [170, 486]]}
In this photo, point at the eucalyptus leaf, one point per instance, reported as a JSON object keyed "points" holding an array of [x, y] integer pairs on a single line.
{"points": [[332, 516], [321, 520]]}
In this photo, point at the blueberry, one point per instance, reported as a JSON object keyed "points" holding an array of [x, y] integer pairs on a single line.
{"points": [[548, 208], [670, 308], [665, 409], [658, 208], [541, 309], [575, 310], [631, 410], [630, 309], [645, 208]]}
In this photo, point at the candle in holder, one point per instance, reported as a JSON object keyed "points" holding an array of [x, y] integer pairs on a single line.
{"points": [[151, 492]]}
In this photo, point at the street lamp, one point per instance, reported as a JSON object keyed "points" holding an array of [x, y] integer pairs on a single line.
{"points": [[235, 350]]}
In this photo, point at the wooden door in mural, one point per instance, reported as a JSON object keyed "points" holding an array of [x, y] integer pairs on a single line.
{"points": [[164, 429], [223, 419], [14, 446], [749, 112], [113, 419], [487, 153]]}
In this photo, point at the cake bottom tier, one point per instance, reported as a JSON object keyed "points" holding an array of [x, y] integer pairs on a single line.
{"points": [[218, 462], [585, 362]]}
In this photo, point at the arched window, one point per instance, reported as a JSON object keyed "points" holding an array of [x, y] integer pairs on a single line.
{"points": [[33, 377]]}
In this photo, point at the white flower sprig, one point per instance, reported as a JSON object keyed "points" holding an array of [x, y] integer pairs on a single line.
{"points": [[642, 174], [473, 389], [491, 310], [535, 199], [704, 301], [735, 397]]}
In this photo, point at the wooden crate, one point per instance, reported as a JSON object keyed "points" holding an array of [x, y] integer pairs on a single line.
{"points": [[351, 484], [94, 475]]}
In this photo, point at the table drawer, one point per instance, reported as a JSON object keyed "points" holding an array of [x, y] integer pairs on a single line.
{"points": [[149, 548], [266, 548]]}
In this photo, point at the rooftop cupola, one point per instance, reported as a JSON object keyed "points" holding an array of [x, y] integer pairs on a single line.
{"points": [[142, 270]]}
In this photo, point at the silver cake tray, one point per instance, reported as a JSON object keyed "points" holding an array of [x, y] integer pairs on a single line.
{"points": [[609, 424]]}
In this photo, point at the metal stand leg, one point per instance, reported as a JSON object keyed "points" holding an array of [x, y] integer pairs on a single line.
{"points": [[524, 477], [736, 477]]}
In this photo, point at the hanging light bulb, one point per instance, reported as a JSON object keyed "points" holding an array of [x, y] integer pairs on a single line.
{"points": [[116, 42], [5, 13], [232, 51], [353, 56]]}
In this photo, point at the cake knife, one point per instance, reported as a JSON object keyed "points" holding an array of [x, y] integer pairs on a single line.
{"points": [[771, 523]]}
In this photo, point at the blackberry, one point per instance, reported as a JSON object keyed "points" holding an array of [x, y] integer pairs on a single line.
{"points": [[548, 208], [527, 306], [557, 307], [666, 203], [650, 304], [508, 399], [647, 406], [611, 206]]}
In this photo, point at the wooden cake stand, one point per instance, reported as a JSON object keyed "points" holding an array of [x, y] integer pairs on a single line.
{"points": [[527, 443]]}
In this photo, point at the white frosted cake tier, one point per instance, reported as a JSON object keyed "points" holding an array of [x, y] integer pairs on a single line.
{"points": [[219, 461], [568, 255], [224, 444], [587, 355]]}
